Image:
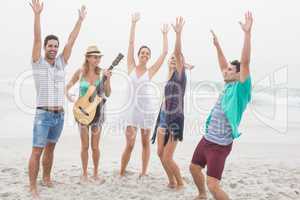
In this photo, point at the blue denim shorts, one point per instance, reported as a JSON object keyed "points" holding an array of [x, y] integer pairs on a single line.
{"points": [[162, 120], [47, 127]]}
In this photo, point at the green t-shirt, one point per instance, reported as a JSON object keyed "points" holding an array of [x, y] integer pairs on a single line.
{"points": [[234, 102]]}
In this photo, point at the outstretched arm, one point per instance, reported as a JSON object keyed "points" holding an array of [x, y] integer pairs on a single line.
{"points": [[71, 83], [155, 67], [178, 46], [246, 52], [72, 37], [130, 54], [221, 58], [37, 8]]}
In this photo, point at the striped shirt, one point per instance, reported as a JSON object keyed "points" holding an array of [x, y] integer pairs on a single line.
{"points": [[219, 130], [49, 82]]}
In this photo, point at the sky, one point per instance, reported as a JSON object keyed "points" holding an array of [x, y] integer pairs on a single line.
{"points": [[275, 37]]}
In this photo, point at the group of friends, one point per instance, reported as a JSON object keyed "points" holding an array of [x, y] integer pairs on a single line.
{"points": [[221, 127]]}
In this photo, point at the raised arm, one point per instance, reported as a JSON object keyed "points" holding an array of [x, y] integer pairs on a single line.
{"points": [[37, 8], [130, 54], [246, 52], [155, 67], [71, 83], [221, 57], [178, 49], [72, 37]]}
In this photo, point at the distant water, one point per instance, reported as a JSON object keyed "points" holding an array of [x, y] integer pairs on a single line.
{"points": [[18, 107], [197, 93]]}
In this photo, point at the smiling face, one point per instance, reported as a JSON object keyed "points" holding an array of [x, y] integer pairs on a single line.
{"points": [[172, 61], [51, 49], [231, 73], [93, 60], [144, 55]]}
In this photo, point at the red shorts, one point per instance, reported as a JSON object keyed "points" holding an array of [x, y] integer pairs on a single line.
{"points": [[212, 155]]}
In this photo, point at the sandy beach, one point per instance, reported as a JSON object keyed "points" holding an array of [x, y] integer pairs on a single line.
{"points": [[264, 164]]}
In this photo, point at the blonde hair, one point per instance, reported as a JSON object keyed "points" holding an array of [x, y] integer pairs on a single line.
{"points": [[85, 68]]}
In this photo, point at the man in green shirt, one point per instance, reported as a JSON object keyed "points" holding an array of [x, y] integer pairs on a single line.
{"points": [[224, 119]]}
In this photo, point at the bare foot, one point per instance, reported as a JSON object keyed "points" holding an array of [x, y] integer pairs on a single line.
{"points": [[201, 197], [180, 187], [126, 173], [172, 185], [84, 179], [47, 182], [98, 179], [122, 174], [142, 175], [34, 193]]}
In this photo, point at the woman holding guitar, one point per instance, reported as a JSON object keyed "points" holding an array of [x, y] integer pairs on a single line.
{"points": [[90, 74], [137, 116]]}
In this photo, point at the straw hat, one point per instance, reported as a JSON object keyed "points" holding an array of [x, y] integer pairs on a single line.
{"points": [[93, 51]]}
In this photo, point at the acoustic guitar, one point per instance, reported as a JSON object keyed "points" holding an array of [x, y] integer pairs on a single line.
{"points": [[85, 107]]}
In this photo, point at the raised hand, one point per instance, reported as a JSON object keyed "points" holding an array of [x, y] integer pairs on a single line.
{"points": [[179, 25], [215, 38], [135, 17], [82, 13], [165, 29], [247, 25], [71, 97], [36, 6], [107, 73], [189, 66]]}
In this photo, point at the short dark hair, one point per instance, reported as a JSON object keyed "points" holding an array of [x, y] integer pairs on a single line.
{"points": [[144, 47], [50, 37], [237, 65]]}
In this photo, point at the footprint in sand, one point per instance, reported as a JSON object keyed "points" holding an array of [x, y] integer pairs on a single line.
{"points": [[10, 170], [232, 185], [5, 194]]}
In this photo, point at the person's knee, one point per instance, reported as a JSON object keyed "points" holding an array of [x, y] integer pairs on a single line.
{"points": [[49, 149], [160, 153], [130, 146], [95, 148], [194, 168], [96, 130], [130, 130], [37, 152], [212, 185], [85, 147], [167, 158], [146, 144]]}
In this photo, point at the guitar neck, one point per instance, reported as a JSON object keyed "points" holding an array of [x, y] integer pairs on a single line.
{"points": [[115, 63], [103, 76]]}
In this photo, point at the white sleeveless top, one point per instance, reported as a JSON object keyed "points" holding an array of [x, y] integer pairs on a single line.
{"points": [[140, 113]]}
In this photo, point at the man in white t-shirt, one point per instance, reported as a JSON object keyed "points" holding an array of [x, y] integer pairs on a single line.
{"points": [[49, 78]]}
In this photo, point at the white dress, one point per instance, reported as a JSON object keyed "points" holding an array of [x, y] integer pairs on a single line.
{"points": [[141, 110]]}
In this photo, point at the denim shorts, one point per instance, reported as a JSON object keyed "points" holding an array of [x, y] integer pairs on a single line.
{"points": [[47, 127], [162, 120]]}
